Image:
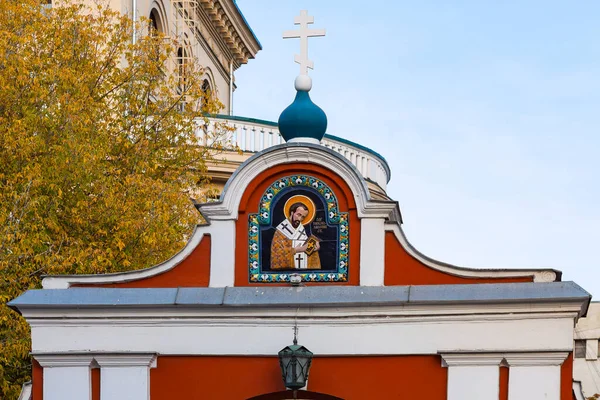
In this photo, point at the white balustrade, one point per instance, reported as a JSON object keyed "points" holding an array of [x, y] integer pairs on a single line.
{"points": [[253, 137]]}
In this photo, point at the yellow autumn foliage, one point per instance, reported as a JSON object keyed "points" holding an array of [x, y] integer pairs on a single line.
{"points": [[99, 153]]}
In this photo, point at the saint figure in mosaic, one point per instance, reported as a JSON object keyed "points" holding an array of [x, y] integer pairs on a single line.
{"points": [[298, 231], [292, 247]]}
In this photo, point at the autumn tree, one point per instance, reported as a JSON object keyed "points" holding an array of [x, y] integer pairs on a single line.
{"points": [[99, 153]]}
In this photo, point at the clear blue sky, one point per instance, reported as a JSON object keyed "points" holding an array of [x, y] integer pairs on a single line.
{"points": [[488, 113]]}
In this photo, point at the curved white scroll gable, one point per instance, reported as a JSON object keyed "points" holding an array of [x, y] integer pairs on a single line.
{"points": [[377, 218], [66, 281], [228, 207], [221, 217], [539, 275]]}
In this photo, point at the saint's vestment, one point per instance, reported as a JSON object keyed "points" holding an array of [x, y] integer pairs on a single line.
{"points": [[287, 238]]}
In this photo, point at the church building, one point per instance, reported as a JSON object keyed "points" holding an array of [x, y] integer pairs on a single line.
{"points": [[302, 285]]}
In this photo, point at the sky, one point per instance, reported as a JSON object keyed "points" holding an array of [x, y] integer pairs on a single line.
{"points": [[487, 112]]}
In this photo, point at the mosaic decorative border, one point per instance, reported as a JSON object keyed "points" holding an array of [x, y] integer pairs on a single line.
{"points": [[334, 216]]}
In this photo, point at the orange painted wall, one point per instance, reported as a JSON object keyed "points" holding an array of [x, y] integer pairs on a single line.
{"points": [[403, 269], [503, 383], [95, 384], [250, 202], [194, 271], [37, 381], [352, 378], [566, 379]]}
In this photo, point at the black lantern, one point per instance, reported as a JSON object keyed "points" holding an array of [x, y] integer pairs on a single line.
{"points": [[295, 362]]}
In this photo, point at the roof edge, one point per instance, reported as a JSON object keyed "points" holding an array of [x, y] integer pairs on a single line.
{"points": [[307, 296]]}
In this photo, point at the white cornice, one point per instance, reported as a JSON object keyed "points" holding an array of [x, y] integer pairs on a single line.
{"points": [[230, 30], [126, 360], [64, 360], [178, 322], [470, 359], [425, 337], [531, 359], [66, 281], [105, 360], [241, 27], [239, 315], [295, 153], [538, 275], [520, 359]]}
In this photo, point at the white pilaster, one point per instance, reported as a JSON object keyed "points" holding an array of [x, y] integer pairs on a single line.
{"points": [[372, 252], [535, 376], [222, 253], [473, 376], [125, 376], [66, 377]]}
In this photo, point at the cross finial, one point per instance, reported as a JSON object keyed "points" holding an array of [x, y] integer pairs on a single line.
{"points": [[303, 34]]}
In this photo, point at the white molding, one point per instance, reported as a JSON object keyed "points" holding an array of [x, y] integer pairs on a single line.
{"points": [[324, 338], [57, 360], [533, 375], [227, 209], [177, 315], [66, 281], [471, 359], [539, 275], [126, 360], [531, 358], [178, 321], [536, 359], [304, 140]]}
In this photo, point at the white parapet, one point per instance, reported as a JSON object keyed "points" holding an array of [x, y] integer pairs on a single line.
{"points": [[250, 135]]}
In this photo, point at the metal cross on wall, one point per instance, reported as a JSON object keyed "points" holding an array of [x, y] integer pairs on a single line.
{"points": [[303, 34]]}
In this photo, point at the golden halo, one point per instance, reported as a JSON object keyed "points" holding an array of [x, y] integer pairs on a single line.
{"points": [[312, 210]]}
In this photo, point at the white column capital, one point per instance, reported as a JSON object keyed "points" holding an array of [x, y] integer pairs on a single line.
{"points": [[124, 360], [536, 359], [66, 376], [471, 359], [64, 360]]}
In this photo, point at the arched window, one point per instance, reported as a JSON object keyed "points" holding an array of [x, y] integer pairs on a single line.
{"points": [[183, 60], [156, 24], [206, 87], [206, 91]]}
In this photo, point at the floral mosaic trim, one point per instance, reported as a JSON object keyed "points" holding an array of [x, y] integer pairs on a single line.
{"points": [[334, 217], [333, 214]]}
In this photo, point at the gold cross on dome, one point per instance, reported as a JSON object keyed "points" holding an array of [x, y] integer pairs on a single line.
{"points": [[303, 34]]}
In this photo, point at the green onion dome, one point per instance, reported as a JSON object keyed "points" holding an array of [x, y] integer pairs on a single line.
{"points": [[303, 120]]}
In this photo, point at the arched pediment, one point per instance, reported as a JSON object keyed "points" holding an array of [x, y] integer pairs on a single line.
{"points": [[288, 153]]}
